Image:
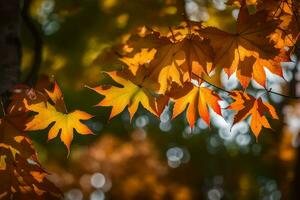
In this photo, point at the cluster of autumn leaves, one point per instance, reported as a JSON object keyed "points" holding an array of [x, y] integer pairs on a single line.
{"points": [[22, 176], [20, 169], [161, 67], [157, 68]]}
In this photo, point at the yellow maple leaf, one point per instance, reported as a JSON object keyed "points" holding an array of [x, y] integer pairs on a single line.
{"points": [[141, 58], [64, 122], [135, 90]]}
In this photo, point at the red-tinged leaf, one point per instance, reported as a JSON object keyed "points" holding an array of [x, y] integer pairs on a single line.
{"points": [[248, 50], [246, 105], [21, 175]]}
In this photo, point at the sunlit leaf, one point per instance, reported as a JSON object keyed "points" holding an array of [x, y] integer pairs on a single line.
{"points": [[56, 116], [246, 105]]}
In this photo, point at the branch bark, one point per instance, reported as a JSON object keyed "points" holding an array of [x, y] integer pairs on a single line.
{"points": [[32, 76], [10, 45]]}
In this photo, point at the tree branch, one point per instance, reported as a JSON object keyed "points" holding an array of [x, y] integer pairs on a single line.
{"points": [[282, 95], [10, 47], [217, 87], [267, 90], [38, 44]]}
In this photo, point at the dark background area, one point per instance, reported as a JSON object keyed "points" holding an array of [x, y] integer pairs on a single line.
{"points": [[148, 158]]}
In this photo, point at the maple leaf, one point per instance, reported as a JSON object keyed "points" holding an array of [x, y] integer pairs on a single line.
{"points": [[64, 122], [24, 179], [140, 59], [22, 176], [178, 54], [135, 90], [195, 100], [248, 50], [198, 52], [246, 105], [165, 66], [14, 139], [199, 57]]}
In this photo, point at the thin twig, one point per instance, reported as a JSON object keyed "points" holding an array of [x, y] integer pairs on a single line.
{"points": [[282, 95], [267, 90], [215, 86]]}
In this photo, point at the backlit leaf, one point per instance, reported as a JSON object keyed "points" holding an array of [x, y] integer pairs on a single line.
{"points": [[246, 105], [64, 123], [249, 50], [196, 101], [135, 90]]}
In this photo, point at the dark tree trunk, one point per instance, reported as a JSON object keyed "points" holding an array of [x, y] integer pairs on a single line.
{"points": [[10, 45]]}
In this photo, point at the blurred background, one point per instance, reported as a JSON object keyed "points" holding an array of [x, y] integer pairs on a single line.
{"points": [[152, 158]]}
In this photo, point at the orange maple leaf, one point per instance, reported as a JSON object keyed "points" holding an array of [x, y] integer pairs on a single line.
{"points": [[178, 54], [196, 100], [65, 122], [198, 52], [249, 50], [247, 105]]}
